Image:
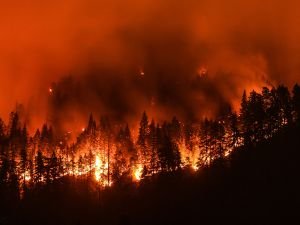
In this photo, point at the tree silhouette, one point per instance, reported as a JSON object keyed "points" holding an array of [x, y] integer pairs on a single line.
{"points": [[296, 102], [256, 116], [285, 107], [168, 152], [23, 156], [39, 171], [271, 108], [129, 146], [53, 167], [119, 166], [13, 181], [205, 144], [4, 171], [153, 140], [142, 140], [234, 131], [28, 161]]}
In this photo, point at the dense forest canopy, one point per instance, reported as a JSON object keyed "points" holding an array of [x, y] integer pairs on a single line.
{"points": [[109, 155]]}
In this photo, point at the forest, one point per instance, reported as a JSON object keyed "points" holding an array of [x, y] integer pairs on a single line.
{"points": [[173, 159]]}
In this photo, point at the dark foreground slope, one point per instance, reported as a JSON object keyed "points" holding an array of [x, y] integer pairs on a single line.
{"points": [[257, 185]]}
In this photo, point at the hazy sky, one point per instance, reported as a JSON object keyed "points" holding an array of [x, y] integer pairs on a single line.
{"points": [[96, 50]]}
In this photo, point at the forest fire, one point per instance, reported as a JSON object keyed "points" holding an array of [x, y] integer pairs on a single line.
{"points": [[109, 154], [100, 168], [114, 104]]}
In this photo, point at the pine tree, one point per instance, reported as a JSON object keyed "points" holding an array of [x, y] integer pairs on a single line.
{"points": [[153, 167], [271, 110], [80, 165], [2, 135], [205, 143], [39, 171], [4, 171], [256, 116], [168, 152], [234, 132], [47, 140], [106, 130], [285, 106], [91, 161], [296, 102], [142, 140], [53, 167], [175, 130], [219, 135], [13, 181], [244, 120], [14, 135], [23, 156], [129, 145], [4, 164], [119, 166]]}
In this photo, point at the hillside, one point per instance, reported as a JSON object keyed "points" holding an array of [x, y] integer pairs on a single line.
{"points": [[257, 185]]}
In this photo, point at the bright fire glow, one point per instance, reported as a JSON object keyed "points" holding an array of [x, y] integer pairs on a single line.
{"points": [[27, 176], [101, 172], [195, 167], [97, 159], [138, 173], [98, 164]]}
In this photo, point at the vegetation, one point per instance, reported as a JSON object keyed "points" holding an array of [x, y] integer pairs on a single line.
{"points": [[239, 164]]}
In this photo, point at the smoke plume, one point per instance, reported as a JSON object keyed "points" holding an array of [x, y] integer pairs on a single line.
{"points": [[66, 59]]}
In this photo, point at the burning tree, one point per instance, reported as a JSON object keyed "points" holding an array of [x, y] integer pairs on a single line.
{"points": [[109, 154]]}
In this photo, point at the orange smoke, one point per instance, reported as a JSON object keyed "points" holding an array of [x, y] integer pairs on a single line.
{"points": [[104, 44]]}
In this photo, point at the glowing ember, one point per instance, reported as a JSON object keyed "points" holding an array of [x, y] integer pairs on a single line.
{"points": [[142, 73], [202, 71]]}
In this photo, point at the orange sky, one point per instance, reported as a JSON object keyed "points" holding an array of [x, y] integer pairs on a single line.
{"points": [[244, 44]]}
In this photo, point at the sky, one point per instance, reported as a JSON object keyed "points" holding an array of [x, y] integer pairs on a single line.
{"points": [[120, 57]]}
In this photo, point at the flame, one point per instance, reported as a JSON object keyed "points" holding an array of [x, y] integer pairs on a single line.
{"points": [[98, 164], [27, 176], [101, 172], [195, 167], [137, 173], [189, 158], [91, 159]]}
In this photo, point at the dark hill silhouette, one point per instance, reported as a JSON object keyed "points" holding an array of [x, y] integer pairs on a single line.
{"points": [[256, 185]]}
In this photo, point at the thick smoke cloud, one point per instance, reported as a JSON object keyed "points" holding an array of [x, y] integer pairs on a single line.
{"points": [[119, 58]]}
